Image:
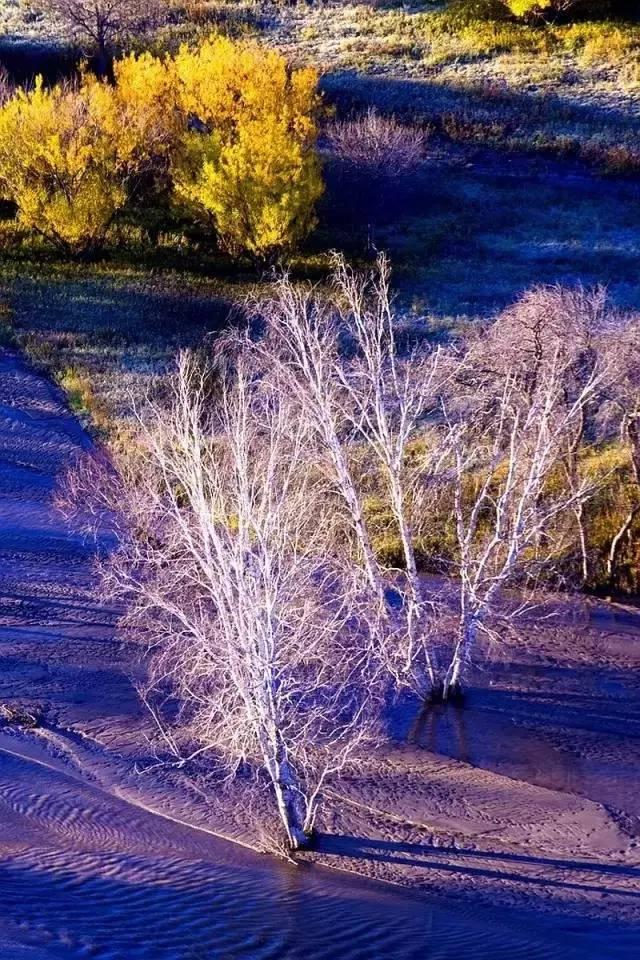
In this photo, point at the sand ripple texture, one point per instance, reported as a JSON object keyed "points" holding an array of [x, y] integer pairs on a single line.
{"points": [[83, 874]]}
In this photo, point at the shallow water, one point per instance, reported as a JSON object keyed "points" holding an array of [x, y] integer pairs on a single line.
{"points": [[557, 730], [84, 874]]}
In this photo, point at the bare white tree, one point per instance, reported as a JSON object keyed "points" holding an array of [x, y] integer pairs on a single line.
{"points": [[246, 556], [389, 397], [510, 425], [336, 353], [301, 351], [251, 624]]}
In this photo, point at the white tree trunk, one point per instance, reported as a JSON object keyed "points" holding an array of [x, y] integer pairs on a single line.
{"points": [[467, 636], [290, 803], [614, 549], [415, 631], [584, 554]]}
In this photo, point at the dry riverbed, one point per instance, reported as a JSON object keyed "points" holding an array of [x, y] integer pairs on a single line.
{"points": [[526, 800]]}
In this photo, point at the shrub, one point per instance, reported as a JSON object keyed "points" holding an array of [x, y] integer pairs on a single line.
{"points": [[248, 164], [228, 124], [258, 188], [609, 46], [608, 466], [452, 36], [381, 145], [57, 166], [71, 158]]}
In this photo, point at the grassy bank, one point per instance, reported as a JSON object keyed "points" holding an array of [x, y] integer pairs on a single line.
{"points": [[566, 90], [102, 330]]}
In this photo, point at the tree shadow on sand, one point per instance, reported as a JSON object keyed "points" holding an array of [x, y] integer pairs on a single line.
{"points": [[577, 874]]}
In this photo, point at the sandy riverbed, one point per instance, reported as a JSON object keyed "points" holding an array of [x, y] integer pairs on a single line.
{"points": [[526, 801]]}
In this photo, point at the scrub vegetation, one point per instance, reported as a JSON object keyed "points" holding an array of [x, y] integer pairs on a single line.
{"points": [[225, 130]]}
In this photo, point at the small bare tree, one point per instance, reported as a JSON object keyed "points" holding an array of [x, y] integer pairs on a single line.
{"points": [[251, 623], [510, 424], [576, 324], [7, 89], [335, 353], [99, 25], [623, 408]]}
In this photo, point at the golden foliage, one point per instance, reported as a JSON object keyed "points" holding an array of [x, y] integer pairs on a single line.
{"points": [[525, 8], [224, 82], [139, 114], [233, 125], [57, 167], [250, 164], [259, 187]]}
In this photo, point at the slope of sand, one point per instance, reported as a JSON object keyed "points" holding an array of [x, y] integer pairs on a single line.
{"points": [[538, 813]]}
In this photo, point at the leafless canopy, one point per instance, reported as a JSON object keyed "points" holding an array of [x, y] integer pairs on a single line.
{"points": [[99, 24], [228, 572], [335, 354]]}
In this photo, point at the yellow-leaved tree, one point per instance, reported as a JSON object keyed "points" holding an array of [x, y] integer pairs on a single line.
{"points": [[72, 157], [141, 117], [248, 161], [57, 166], [228, 126], [139, 114]]}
